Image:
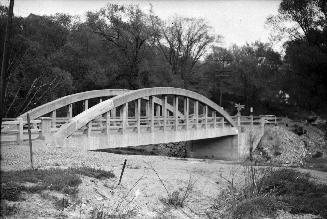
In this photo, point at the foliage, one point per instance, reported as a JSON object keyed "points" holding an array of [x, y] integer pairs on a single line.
{"points": [[263, 193], [93, 173], [124, 47], [7, 209], [302, 25], [62, 180], [182, 41]]}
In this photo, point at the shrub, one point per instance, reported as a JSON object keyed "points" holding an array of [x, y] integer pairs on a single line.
{"points": [[94, 173], [257, 207], [7, 210], [282, 189], [178, 197], [53, 179], [11, 192]]}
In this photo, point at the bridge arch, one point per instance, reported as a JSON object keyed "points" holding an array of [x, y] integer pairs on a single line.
{"points": [[73, 98], [92, 113]]}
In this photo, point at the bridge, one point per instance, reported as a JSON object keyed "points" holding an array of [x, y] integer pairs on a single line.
{"points": [[123, 118]]}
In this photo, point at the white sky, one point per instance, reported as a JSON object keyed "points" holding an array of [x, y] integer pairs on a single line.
{"points": [[239, 21]]}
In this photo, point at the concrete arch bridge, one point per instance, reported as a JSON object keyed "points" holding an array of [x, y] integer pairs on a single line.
{"points": [[124, 118]]}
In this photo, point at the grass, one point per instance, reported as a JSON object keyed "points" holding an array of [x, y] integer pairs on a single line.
{"points": [[319, 164], [263, 196], [7, 210], [13, 183]]}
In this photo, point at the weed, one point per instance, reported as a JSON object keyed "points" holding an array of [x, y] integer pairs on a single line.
{"points": [[61, 204], [94, 173], [7, 210], [265, 192], [179, 197], [52, 179]]}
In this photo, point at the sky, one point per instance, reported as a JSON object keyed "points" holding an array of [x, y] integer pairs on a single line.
{"points": [[238, 21]]}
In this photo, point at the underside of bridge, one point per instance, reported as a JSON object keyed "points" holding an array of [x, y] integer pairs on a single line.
{"points": [[222, 148]]}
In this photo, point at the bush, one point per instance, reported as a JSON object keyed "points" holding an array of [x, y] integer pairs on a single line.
{"points": [[257, 207], [7, 210], [282, 189], [11, 192], [53, 179], [61, 180], [94, 173]]}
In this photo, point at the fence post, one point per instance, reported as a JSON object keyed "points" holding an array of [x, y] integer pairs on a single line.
{"points": [[30, 139], [20, 134]]}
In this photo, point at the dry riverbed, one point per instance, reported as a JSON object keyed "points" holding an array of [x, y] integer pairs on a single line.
{"points": [[141, 192]]}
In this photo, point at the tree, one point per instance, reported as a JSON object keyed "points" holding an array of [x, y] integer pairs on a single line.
{"points": [[5, 60], [305, 66], [127, 30], [253, 73], [182, 41]]}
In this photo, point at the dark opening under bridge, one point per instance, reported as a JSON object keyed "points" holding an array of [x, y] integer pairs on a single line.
{"points": [[124, 118]]}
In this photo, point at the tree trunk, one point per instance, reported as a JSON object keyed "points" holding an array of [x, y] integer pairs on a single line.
{"points": [[5, 61]]}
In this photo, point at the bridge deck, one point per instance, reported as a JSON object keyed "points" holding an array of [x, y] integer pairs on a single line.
{"points": [[97, 139]]}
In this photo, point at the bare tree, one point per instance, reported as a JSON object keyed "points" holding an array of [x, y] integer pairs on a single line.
{"points": [[182, 41], [126, 29]]}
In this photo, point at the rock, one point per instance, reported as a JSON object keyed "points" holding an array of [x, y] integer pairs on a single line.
{"points": [[281, 147], [299, 130], [317, 154]]}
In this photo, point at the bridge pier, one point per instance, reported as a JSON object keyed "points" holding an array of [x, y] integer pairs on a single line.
{"points": [[222, 148]]}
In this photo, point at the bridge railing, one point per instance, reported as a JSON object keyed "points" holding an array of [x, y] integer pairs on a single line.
{"points": [[17, 130], [131, 124], [257, 120]]}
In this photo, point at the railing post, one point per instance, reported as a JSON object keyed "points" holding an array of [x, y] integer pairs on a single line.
{"points": [[262, 124], [45, 127], [158, 111], [89, 128], [186, 111], [138, 115], [124, 117], [86, 104], [223, 121], [151, 111], [238, 120], [214, 116], [205, 116], [164, 112], [147, 109], [54, 119], [251, 117], [176, 112], [70, 111], [196, 113], [20, 127], [107, 116]]}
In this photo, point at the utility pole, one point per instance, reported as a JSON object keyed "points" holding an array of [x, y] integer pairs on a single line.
{"points": [[5, 60], [222, 74]]}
